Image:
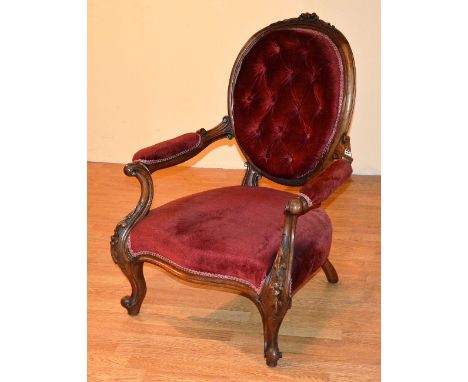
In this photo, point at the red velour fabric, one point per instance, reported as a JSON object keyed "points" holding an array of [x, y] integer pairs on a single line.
{"points": [[321, 186], [287, 99], [168, 149], [232, 233]]}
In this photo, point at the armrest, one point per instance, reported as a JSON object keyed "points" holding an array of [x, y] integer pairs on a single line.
{"points": [[277, 289], [150, 159], [320, 187], [167, 150], [182, 148]]}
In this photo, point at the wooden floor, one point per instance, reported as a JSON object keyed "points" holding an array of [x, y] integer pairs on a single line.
{"points": [[187, 333]]}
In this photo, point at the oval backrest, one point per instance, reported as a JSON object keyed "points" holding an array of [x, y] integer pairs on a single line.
{"points": [[291, 96]]}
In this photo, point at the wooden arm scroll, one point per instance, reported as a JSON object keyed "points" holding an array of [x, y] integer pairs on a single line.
{"points": [[222, 130], [123, 228]]}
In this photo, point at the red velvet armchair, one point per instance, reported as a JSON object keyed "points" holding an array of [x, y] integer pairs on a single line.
{"points": [[290, 102]]}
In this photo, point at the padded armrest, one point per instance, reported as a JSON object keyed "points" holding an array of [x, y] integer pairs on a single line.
{"points": [[169, 149], [320, 187], [177, 150]]}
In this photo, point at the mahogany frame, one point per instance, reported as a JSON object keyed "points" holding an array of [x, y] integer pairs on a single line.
{"points": [[275, 296]]}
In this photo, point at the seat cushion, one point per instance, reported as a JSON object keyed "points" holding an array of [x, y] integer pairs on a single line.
{"points": [[231, 233]]}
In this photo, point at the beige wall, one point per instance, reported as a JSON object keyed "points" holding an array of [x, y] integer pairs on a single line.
{"points": [[157, 69]]}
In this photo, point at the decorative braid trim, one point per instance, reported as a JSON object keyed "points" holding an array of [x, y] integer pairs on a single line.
{"points": [[308, 200], [188, 270], [152, 161]]}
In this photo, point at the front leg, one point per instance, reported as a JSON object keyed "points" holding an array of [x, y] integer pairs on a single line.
{"points": [[276, 296], [131, 267], [134, 272], [273, 308]]}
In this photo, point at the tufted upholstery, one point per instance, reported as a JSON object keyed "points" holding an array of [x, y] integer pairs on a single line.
{"points": [[286, 101], [169, 149], [232, 232]]}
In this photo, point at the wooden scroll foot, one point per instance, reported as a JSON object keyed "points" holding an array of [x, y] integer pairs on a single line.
{"points": [[330, 272], [271, 348], [134, 273], [271, 324]]}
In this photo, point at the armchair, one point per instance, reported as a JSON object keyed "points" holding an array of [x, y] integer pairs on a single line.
{"points": [[290, 102]]}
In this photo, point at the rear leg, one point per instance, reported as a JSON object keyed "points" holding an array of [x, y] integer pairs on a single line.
{"points": [[330, 272]]}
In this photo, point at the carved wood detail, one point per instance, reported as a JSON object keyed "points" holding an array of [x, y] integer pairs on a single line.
{"points": [[132, 268], [275, 298], [123, 228], [304, 18], [343, 149], [251, 176]]}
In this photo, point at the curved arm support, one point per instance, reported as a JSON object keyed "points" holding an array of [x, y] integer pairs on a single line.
{"points": [[222, 130], [123, 228]]}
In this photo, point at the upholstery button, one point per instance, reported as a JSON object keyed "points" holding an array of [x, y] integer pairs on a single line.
{"points": [[275, 47], [296, 115], [289, 74], [247, 99], [269, 102], [260, 68]]}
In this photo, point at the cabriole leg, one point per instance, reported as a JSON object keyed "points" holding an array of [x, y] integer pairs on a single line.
{"points": [[134, 272], [271, 325]]}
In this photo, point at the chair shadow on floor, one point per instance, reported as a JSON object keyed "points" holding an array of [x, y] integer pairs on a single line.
{"points": [[237, 322]]}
